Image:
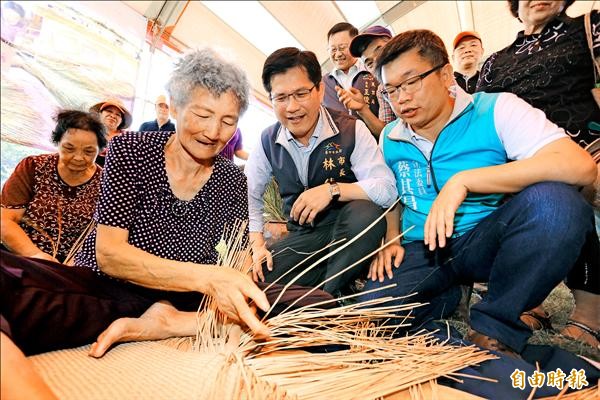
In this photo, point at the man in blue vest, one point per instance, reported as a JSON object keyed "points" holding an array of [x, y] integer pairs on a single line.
{"points": [[348, 72], [455, 156], [331, 176]]}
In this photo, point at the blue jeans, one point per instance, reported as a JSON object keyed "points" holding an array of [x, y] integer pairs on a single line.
{"points": [[523, 249]]}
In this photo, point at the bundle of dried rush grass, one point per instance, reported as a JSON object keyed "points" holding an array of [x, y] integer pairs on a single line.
{"points": [[372, 364], [78, 243], [273, 202], [55, 244], [360, 373]]}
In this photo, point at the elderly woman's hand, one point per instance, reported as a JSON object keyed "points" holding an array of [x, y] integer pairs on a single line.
{"points": [[231, 290]]}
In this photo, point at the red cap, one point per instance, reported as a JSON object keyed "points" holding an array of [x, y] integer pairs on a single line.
{"points": [[463, 35]]}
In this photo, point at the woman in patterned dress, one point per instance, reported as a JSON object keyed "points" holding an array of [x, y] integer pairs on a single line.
{"points": [[49, 200], [549, 66], [165, 201]]}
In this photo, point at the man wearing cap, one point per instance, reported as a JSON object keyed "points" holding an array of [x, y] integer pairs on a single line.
{"points": [[162, 123], [468, 51], [348, 72], [367, 47]]}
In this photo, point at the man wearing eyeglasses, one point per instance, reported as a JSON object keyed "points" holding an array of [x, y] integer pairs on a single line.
{"points": [[450, 155], [331, 176], [348, 72], [367, 46]]}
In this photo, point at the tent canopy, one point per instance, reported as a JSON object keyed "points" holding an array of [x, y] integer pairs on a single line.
{"points": [[251, 30]]}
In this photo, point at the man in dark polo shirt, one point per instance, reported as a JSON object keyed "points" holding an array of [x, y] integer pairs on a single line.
{"points": [[467, 54], [162, 121]]}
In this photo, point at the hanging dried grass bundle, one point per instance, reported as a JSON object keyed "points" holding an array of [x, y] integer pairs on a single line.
{"points": [[73, 84], [20, 120]]}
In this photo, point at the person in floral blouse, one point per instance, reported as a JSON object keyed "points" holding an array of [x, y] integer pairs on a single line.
{"points": [[49, 200]]}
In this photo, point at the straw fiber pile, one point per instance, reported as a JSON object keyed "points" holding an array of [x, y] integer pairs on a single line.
{"points": [[224, 362], [159, 370]]}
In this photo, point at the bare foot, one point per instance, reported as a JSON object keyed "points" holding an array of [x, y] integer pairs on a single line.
{"points": [[155, 323]]}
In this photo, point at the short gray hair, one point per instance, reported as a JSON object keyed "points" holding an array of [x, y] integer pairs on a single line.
{"points": [[205, 68]]}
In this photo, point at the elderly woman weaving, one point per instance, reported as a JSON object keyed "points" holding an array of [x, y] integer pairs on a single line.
{"points": [[165, 201]]}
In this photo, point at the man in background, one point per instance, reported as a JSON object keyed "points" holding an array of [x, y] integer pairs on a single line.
{"points": [[367, 47], [162, 121], [348, 71], [467, 54]]}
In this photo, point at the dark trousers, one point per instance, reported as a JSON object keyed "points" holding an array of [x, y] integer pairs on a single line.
{"points": [[48, 306], [586, 272], [292, 250], [534, 357], [523, 249]]}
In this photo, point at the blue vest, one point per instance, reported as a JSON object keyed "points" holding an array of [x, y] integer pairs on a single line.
{"points": [[469, 141], [330, 159]]}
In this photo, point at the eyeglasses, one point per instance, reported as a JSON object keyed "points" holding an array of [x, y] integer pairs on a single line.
{"points": [[341, 48], [409, 86], [300, 96]]}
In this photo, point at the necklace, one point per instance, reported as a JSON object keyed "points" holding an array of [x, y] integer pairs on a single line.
{"points": [[179, 208]]}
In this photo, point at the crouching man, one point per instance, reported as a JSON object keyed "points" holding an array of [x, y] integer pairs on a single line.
{"points": [[455, 157], [331, 176]]}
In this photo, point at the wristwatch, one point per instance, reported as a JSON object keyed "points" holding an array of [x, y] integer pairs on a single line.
{"points": [[334, 190]]}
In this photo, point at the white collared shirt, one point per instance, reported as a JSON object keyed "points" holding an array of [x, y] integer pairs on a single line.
{"points": [[345, 79], [368, 165]]}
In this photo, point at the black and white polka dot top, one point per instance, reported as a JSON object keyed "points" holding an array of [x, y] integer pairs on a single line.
{"points": [[135, 195]]}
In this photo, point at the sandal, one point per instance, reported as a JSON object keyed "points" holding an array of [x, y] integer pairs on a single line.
{"points": [[536, 321], [582, 333]]}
